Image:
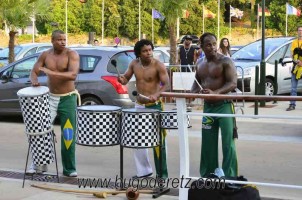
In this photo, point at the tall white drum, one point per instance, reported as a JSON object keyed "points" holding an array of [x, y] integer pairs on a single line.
{"points": [[34, 102]]}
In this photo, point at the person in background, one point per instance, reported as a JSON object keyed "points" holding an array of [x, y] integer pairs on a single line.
{"points": [[224, 47], [296, 52], [151, 79], [186, 54], [96, 42]]}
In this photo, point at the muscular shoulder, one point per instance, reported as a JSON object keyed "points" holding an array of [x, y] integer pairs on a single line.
{"points": [[158, 63], [72, 53]]}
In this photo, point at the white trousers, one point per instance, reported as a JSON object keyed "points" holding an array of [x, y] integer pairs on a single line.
{"points": [[141, 158]]}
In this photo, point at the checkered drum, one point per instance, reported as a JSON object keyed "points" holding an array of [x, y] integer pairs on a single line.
{"points": [[168, 119], [34, 103], [98, 125], [140, 127]]}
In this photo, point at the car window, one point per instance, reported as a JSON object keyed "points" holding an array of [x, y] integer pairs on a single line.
{"points": [[253, 51], [30, 52], [277, 55], [23, 69], [288, 53], [43, 48], [123, 60], [88, 63], [158, 55], [4, 52]]}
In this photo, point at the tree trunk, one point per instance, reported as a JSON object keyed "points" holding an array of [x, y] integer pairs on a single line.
{"points": [[173, 48], [11, 46]]}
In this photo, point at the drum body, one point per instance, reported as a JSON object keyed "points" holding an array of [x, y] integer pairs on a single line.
{"points": [[168, 120], [42, 149], [140, 128], [34, 102], [98, 125]]}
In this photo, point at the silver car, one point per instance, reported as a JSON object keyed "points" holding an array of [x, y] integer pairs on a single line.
{"points": [[22, 51], [97, 80], [248, 57]]}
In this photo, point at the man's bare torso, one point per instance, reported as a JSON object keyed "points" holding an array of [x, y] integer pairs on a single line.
{"points": [[211, 74], [147, 78], [58, 63]]}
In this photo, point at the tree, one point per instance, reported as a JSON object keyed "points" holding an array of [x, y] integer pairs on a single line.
{"points": [[172, 10], [16, 14]]}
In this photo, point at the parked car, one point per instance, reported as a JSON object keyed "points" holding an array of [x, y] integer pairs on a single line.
{"points": [[249, 56], [235, 48], [162, 54], [97, 80], [195, 39], [22, 51]]}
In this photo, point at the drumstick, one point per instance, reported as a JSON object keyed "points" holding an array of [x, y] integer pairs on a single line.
{"points": [[196, 80], [113, 62]]}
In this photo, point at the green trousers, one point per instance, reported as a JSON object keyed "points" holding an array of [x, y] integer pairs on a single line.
{"points": [[210, 132], [159, 106], [65, 108]]}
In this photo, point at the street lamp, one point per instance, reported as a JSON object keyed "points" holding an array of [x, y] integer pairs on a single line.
{"points": [[66, 19]]}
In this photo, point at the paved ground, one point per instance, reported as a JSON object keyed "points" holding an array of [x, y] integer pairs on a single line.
{"points": [[269, 150]]}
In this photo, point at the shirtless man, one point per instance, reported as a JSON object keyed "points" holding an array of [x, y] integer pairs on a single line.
{"points": [[217, 75], [151, 79], [61, 65]]}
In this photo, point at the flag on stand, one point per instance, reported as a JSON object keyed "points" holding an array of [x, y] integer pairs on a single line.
{"points": [[266, 11], [157, 15], [208, 14], [291, 10], [235, 12], [185, 14]]}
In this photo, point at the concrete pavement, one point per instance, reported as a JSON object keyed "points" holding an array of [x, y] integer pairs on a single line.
{"points": [[269, 150]]}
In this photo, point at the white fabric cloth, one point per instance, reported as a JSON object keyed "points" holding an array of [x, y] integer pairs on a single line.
{"points": [[141, 158]]}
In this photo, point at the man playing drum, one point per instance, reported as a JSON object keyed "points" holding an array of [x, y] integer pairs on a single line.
{"points": [[151, 79], [217, 75], [61, 65]]}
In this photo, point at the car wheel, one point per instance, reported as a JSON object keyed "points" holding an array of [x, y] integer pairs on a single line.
{"points": [[91, 101], [269, 87]]}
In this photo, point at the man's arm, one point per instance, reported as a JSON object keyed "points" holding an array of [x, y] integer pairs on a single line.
{"points": [[230, 74], [164, 80], [36, 69], [124, 79], [73, 68], [195, 87]]}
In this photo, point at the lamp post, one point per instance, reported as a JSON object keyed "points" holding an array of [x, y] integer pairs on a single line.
{"points": [[139, 19], [103, 7], [66, 19]]}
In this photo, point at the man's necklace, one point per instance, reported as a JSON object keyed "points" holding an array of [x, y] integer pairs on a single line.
{"points": [[187, 51], [144, 67]]}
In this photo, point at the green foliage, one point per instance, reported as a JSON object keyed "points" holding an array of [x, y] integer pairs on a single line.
{"points": [[277, 20]]}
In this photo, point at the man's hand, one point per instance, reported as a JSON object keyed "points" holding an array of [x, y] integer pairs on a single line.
{"points": [[207, 91], [122, 80], [35, 83], [46, 71]]}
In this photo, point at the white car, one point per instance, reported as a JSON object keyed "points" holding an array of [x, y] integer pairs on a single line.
{"points": [[248, 57], [162, 54], [22, 51]]}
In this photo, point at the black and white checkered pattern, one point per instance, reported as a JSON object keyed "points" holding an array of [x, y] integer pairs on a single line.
{"points": [[36, 114], [168, 120], [97, 128], [140, 129], [42, 148]]}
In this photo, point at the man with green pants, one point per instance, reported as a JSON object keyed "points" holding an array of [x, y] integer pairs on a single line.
{"points": [[61, 65], [216, 74]]}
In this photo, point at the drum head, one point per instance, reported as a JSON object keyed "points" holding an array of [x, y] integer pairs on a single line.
{"points": [[140, 110], [98, 108], [32, 91]]}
